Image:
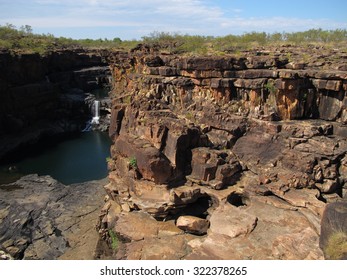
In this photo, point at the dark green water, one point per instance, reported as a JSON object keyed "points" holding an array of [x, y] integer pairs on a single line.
{"points": [[73, 161]]}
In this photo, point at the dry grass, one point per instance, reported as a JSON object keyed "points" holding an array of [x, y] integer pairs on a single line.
{"points": [[337, 246]]}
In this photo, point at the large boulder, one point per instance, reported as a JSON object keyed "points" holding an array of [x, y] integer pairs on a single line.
{"points": [[231, 221], [216, 168], [149, 161], [193, 224]]}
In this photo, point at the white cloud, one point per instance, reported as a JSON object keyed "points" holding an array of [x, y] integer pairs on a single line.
{"points": [[77, 13], [53, 22], [139, 18]]}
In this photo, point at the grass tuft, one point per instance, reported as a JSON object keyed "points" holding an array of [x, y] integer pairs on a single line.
{"points": [[337, 246]]}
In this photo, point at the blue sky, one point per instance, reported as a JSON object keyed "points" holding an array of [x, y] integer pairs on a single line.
{"points": [[134, 19]]}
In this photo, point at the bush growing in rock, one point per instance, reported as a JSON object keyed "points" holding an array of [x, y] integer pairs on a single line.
{"points": [[333, 238]]}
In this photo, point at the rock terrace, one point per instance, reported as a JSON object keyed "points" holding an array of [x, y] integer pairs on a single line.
{"points": [[223, 157]]}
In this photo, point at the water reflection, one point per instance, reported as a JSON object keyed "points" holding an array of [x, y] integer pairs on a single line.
{"points": [[72, 161]]}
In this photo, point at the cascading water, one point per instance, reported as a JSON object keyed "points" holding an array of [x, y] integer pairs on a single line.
{"points": [[96, 101], [96, 117]]}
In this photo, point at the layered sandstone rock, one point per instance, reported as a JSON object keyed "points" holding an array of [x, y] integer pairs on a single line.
{"points": [[252, 145]]}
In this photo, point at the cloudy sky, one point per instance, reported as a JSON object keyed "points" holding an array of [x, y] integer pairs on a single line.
{"points": [[132, 19]]}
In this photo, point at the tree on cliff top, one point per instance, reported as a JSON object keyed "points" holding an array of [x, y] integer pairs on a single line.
{"points": [[178, 43], [23, 40]]}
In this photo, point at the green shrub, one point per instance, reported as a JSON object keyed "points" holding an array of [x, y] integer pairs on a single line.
{"points": [[270, 86], [133, 162], [114, 240], [23, 39]]}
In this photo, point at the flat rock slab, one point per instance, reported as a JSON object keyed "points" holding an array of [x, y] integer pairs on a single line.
{"points": [[145, 238], [137, 226], [165, 248], [41, 218], [301, 245], [231, 221]]}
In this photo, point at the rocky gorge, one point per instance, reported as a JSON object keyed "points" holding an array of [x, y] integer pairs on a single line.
{"points": [[212, 157], [49, 100], [47, 97], [232, 157]]}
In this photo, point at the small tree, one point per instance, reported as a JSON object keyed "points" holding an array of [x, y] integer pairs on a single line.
{"points": [[26, 29]]}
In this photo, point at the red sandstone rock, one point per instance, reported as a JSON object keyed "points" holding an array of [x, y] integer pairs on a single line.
{"points": [[193, 225], [297, 246], [149, 161], [231, 221]]}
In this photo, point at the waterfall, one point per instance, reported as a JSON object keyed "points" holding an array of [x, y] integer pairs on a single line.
{"points": [[96, 117]]}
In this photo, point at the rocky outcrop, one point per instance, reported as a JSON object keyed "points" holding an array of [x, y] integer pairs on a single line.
{"points": [[250, 148], [46, 97], [41, 218], [262, 90]]}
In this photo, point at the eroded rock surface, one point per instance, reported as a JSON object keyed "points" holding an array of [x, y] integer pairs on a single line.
{"points": [[41, 218]]}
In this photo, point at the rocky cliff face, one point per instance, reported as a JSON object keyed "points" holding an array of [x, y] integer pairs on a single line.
{"points": [[44, 97], [223, 157]]}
